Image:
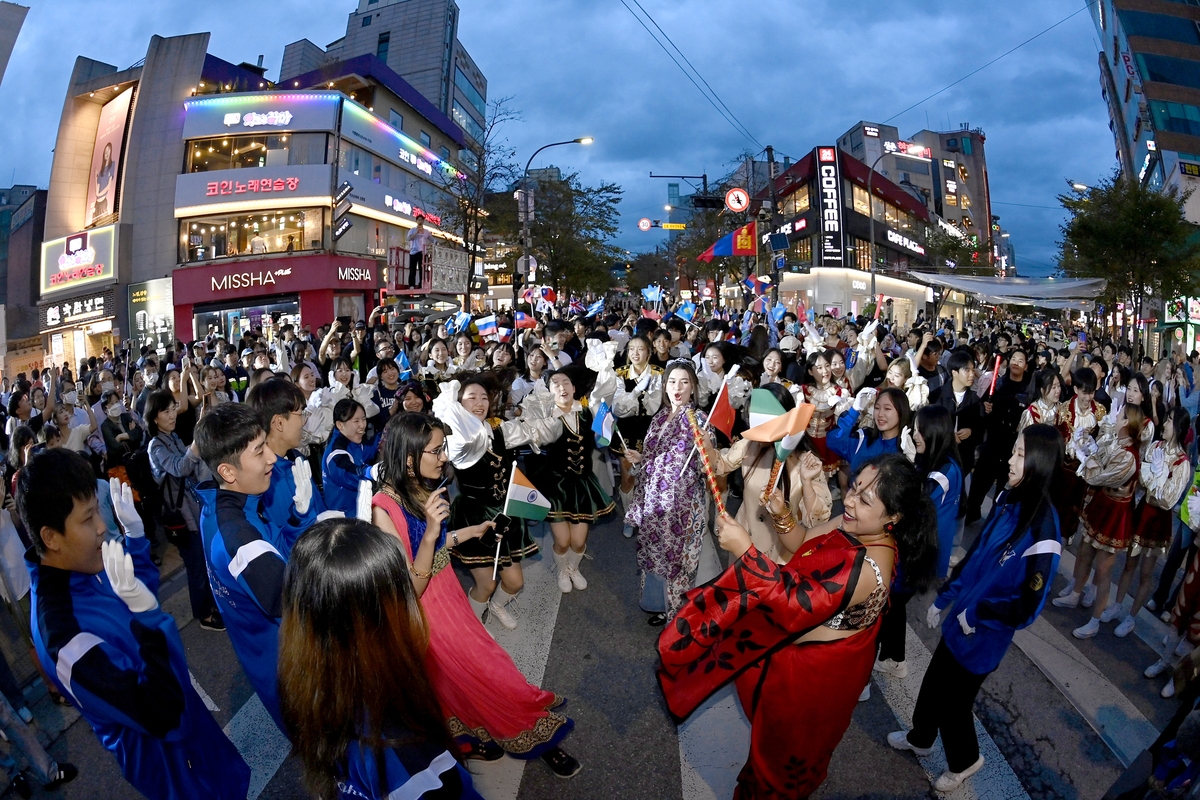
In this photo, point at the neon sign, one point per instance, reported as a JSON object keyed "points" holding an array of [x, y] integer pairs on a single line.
{"points": [[252, 119], [416, 212], [215, 188], [907, 149]]}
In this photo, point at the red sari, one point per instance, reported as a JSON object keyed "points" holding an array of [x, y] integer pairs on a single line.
{"points": [[799, 697]]}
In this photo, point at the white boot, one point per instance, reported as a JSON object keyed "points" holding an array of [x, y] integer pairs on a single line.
{"points": [[477, 607], [573, 560], [499, 607], [564, 571]]}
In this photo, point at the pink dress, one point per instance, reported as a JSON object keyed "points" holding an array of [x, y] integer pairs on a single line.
{"points": [[482, 693]]}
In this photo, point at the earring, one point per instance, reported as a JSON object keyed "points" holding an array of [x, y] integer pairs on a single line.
{"points": [[891, 526]]}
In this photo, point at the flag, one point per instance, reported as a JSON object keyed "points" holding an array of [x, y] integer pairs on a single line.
{"points": [[770, 423], [576, 307], [686, 311], [461, 321], [650, 313], [544, 306], [503, 334], [549, 294], [602, 425], [761, 305], [742, 242], [722, 415], [523, 320], [596, 308], [486, 325], [778, 311], [652, 294], [524, 501], [757, 285], [529, 294], [406, 371]]}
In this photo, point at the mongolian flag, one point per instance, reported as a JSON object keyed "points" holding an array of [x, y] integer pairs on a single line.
{"points": [[757, 285], [523, 320], [742, 242], [524, 501], [769, 423]]}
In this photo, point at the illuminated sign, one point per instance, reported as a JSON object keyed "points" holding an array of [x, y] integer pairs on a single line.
{"points": [[674, 226], [1145, 167], [950, 229], [366, 130], [952, 186], [829, 175], [252, 189], [871, 130], [79, 259], [216, 115], [152, 315], [1191, 170], [910, 149], [947, 163], [787, 229], [248, 280], [102, 193], [78, 311], [416, 212], [260, 186], [905, 242], [356, 274], [860, 286], [252, 120]]}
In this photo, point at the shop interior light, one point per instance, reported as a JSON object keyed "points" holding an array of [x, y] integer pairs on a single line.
{"points": [[224, 143], [201, 84], [194, 226], [296, 83]]}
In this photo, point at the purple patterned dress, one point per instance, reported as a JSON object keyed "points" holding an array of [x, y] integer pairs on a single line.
{"points": [[670, 511]]}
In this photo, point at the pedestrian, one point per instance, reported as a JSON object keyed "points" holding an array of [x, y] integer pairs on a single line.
{"points": [[348, 456], [292, 502]]}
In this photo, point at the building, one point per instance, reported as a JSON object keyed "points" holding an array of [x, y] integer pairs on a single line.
{"points": [[416, 39], [190, 195], [881, 148], [11, 199], [12, 19]]}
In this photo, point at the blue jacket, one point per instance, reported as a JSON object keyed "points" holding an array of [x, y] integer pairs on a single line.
{"points": [[127, 675], [280, 498], [1002, 584], [946, 494], [853, 446], [247, 555], [412, 771], [343, 467]]}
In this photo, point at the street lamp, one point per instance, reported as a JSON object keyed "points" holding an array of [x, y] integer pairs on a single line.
{"points": [[1079, 187], [525, 212]]}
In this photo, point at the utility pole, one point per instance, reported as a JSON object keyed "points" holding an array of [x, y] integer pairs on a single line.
{"points": [[776, 221]]}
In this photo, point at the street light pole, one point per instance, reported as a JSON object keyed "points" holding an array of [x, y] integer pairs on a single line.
{"points": [[871, 215], [526, 209]]}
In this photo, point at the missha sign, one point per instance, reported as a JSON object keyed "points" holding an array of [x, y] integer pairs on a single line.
{"points": [[273, 275]]}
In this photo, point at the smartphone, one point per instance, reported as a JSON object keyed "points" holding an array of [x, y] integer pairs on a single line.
{"points": [[344, 323], [1082, 337]]}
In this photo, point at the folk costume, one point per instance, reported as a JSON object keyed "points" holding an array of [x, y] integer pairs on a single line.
{"points": [[562, 471], [1112, 476], [637, 399], [1074, 422], [1038, 412], [830, 400], [1165, 474]]}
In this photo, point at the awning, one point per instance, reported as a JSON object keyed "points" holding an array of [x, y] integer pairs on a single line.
{"points": [[1019, 291]]}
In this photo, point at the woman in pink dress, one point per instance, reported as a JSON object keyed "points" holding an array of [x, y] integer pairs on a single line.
{"points": [[488, 704]]}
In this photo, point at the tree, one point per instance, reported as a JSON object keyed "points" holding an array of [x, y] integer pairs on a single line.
{"points": [[1134, 237], [960, 254], [570, 233], [647, 269]]}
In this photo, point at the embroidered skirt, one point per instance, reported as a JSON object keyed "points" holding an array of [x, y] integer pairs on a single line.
{"points": [[1108, 521], [1151, 529]]}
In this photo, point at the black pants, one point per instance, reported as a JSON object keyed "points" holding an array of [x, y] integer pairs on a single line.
{"points": [[894, 627], [944, 707], [191, 550], [415, 261], [992, 470]]}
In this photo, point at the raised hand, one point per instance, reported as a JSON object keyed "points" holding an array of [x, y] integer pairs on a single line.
{"points": [[302, 474], [125, 510], [118, 566]]}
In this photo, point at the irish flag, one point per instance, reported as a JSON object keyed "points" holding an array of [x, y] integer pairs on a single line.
{"points": [[769, 423], [524, 501]]}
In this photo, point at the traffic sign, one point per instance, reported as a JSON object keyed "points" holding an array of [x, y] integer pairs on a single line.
{"points": [[737, 200], [780, 262], [674, 226], [644, 224]]}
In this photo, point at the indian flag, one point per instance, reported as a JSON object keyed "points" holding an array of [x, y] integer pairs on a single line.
{"points": [[524, 501], [769, 423]]}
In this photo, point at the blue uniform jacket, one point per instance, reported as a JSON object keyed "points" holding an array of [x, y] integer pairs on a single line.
{"points": [[946, 494], [1002, 584], [247, 556], [280, 498], [127, 675], [343, 467], [853, 446], [413, 771]]}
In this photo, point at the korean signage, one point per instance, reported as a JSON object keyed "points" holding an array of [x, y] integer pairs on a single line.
{"points": [[106, 159], [77, 311], [364, 129], [263, 187], [152, 315], [907, 149], [259, 112], [1189, 169], [829, 177], [78, 260], [372, 195]]}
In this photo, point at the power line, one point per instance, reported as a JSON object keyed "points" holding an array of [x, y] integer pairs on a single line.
{"points": [[1026, 205], [737, 126], [744, 129], [1086, 6]]}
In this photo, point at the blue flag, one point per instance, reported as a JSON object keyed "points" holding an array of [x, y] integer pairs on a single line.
{"points": [[652, 294], [602, 425], [778, 311], [406, 372], [686, 311], [462, 321], [596, 308]]}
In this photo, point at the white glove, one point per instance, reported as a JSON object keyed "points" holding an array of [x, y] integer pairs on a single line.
{"points": [[302, 474], [933, 617], [962, 623], [597, 357], [643, 382], [338, 389], [363, 511], [373, 472], [324, 515], [1158, 462], [869, 331], [118, 566], [125, 510], [1109, 421], [907, 445], [863, 399]]}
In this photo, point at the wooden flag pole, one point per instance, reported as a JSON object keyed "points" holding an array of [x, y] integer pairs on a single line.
{"points": [[708, 470]]}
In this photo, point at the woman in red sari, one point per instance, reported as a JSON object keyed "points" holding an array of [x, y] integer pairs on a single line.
{"points": [[798, 640], [489, 706]]}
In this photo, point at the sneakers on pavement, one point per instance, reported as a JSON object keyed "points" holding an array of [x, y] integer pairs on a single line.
{"points": [[1068, 589], [627, 531], [899, 741], [1156, 669], [897, 669], [1066, 601], [949, 781], [1087, 630], [561, 764], [502, 614], [25, 715], [1126, 627], [1183, 648], [1168, 691], [1089, 595], [1112, 612], [66, 774]]}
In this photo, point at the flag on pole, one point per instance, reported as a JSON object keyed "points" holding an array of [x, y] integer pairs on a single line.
{"points": [[652, 294], [529, 294], [461, 321], [576, 307], [524, 501], [596, 308], [761, 305], [406, 371], [722, 415], [602, 425], [757, 285], [650, 313], [523, 320], [503, 334], [544, 306], [742, 242], [769, 423], [486, 325], [686, 311], [778, 311], [549, 294]]}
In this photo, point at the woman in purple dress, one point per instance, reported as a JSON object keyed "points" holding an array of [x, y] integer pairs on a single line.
{"points": [[670, 504]]}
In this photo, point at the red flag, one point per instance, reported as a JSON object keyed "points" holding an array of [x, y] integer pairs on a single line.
{"points": [[650, 313], [722, 416]]}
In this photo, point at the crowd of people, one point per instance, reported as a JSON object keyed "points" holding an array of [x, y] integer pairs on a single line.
{"points": [[331, 493]]}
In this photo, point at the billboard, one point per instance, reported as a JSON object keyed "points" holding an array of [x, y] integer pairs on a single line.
{"points": [[78, 260], [260, 113], [105, 175], [152, 315], [829, 175]]}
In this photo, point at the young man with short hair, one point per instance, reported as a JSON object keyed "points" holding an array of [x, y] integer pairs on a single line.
{"points": [[100, 632]]}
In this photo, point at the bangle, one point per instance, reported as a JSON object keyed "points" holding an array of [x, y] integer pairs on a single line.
{"points": [[418, 574], [454, 537]]}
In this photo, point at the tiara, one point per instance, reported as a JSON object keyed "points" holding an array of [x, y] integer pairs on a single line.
{"points": [[679, 362]]}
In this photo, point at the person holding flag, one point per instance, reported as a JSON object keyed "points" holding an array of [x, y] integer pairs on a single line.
{"points": [[638, 398]]}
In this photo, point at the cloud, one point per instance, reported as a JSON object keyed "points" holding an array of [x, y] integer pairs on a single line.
{"points": [[796, 74]]}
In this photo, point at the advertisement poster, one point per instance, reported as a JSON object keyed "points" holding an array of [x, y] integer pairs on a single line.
{"points": [[152, 315], [106, 159]]}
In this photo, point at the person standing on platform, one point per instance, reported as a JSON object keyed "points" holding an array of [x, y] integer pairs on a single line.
{"points": [[418, 243]]}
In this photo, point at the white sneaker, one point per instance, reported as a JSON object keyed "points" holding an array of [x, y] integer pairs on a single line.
{"points": [[1070, 587], [501, 613], [1066, 601], [1156, 669], [1165, 616], [1126, 627], [1112, 612], [949, 781], [1183, 648], [866, 694], [25, 715], [1089, 595], [1151, 605], [1087, 630], [577, 579], [897, 669], [899, 741], [1168, 691], [627, 531]]}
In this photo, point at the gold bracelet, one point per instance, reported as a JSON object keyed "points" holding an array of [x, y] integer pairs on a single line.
{"points": [[418, 574]]}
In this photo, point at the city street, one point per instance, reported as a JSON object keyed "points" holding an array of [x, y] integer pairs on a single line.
{"points": [[1038, 715]]}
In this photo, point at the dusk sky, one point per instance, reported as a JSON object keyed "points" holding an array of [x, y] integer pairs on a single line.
{"points": [[797, 74]]}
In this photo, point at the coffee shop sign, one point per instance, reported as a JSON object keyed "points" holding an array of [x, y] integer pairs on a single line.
{"points": [[252, 120]]}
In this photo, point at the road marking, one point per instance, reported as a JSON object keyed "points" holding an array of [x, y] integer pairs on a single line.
{"points": [[262, 745]]}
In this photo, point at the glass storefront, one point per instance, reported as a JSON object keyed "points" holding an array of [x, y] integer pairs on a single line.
{"points": [[261, 150], [231, 323], [257, 233], [887, 213], [371, 237]]}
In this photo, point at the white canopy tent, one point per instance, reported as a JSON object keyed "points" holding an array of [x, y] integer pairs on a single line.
{"points": [[1053, 293]]}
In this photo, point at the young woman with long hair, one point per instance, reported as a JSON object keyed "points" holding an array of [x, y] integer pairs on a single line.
{"points": [[638, 398], [938, 460], [999, 588], [487, 701], [892, 427], [829, 400], [348, 600], [1048, 388], [774, 363], [532, 377], [799, 699]]}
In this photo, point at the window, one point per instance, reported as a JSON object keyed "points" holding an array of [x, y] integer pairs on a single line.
{"points": [[381, 48], [468, 159], [1175, 117], [1166, 69], [797, 202], [802, 250], [861, 204], [366, 20], [425, 140], [396, 120], [952, 200], [371, 237], [966, 201], [963, 173], [1159, 26], [467, 122], [967, 223], [1128, 89], [242, 152], [470, 92], [966, 145], [1195, 3], [444, 152], [226, 235]]}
